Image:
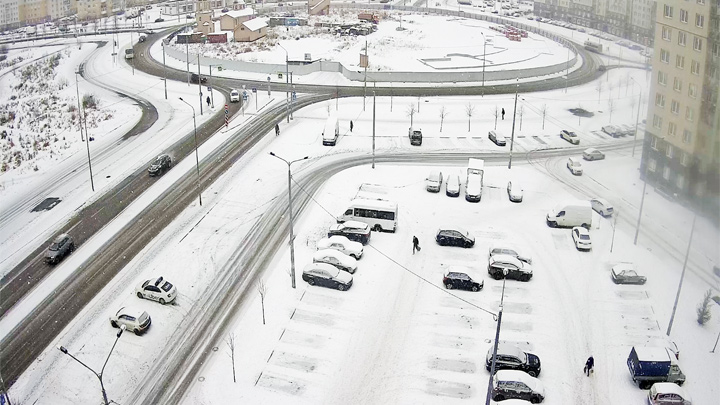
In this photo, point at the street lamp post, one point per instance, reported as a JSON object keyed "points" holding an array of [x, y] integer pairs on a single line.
{"points": [[682, 276], [100, 375], [497, 339], [512, 134], [197, 159], [637, 117], [164, 68], [287, 89], [290, 211], [483, 75]]}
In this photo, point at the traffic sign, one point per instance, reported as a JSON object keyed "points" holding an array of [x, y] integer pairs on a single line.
{"points": [[268, 78], [245, 96], [294, 96], [254, 89]]}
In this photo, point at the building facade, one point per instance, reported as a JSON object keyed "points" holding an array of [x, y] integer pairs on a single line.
{"points": [[681, 149]]}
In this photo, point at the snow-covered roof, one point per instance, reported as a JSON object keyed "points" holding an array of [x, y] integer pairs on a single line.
{"points": [[255, 24], [669, 388], [652, 354], [240, 13]]}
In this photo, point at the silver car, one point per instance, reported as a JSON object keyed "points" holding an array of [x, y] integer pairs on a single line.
{"points": [[602, 207], [337, 259], [515, 192], [342, 244], [593, 154]]}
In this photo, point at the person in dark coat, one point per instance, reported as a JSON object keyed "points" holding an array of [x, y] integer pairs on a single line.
{"points": [[589, 365], [208, 100], [351, 126], [416, 244], [503, 113], [277, 129]]}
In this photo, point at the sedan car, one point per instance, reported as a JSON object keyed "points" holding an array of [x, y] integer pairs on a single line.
{"points": [[612, 130], [593, 154], [457, 277], [325, 275], [498, 139], [62, 246], [234, 96], [510, 357], [333, 257], [161, 164], [454, 237], [134, 319], [159, 20], [570, 136], [581, 237], [625, 273], [342, 244], [602, 207], [354, 230], [157, 289], [505, 266], [452, 186], [515, 192], [504, 250]]}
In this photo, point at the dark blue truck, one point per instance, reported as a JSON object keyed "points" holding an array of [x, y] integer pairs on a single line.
{"points": [[649, 365]]}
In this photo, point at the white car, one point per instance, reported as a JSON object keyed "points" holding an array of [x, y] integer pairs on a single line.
{"points": [[581, 237], [337, 259], [612, 130], [157, 289], [602, 207], [134, 319], [593, 154], [515, 192], [234, 96], [505, 250], [452, 186], [342, 244], [570, 136]]}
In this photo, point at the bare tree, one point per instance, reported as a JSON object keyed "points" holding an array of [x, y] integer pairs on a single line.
{"points": [[231, 345], [599, 89], [544, 109], [418, 105], [611, 108], [496, 115], [411, 112], [522, 108], [469, 111], [262, 289], [443, 113]]}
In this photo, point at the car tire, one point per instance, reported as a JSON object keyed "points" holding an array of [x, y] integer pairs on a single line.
{"points": [[532, 373], [553, 224], [499, 398], [602, 212], [72, 248], [356, 257], [311, 281], [449, 286], [586, 226], [341, 287], [377, 228], [162, 301], [114, 324], [616, 281], [475, 288], [535, 400], [137, 332], [139, 295]]}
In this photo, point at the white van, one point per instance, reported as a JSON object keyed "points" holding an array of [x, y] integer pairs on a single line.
{"points": [[331, 132], [575, 166], [381, 215], [570, 214], [433, 182]]}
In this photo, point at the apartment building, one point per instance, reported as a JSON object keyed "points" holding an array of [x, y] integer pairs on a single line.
{"points": [[681, 149], [9, 14]]}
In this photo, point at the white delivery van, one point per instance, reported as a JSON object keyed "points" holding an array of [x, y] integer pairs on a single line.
{"points": [[569, 214], [331, 132]]}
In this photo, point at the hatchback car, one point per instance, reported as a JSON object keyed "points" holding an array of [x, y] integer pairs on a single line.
{"points": [[513, 384], [602, 207], [433, 182], [505, 266], [498, 139], [570, 136], [625, 273], [510, 357], [581, 237], [504, 250], [134, 319], [454, 237], [575, 167], [325, 275], [338, 259], [157, 289], [666, 393], [62, 246], [354, 230], [234, 96], [593, 154], [515, 192], [161, 164], [452, 186], [456, 277], [612, 130], [341, 244]]}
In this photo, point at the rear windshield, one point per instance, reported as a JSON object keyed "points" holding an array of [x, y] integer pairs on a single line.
{"points": [[166, 286], [54, 246]]}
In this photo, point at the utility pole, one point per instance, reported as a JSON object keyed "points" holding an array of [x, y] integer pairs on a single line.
{"points": [[164, 68], [642, 202], [512, 134], [365, 80], [373, 142], [187, 58], [682, 276], [497, 339], [200, 85]]}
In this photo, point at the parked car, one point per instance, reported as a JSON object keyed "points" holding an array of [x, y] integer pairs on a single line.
{"points": [[189, 16], [161, 164], [602, 207], [626, 129], [342, 244], [515, 192], [665, 393], [452, 186], [454, 237], [575, 167], [625, 273], [510, 357], [194, 78], [504, 250], [159, 20], [612, 130], [234, 96], [325, 275], [354, 230], [497, 138], [433, 182], [134, 319], [593, 154], [513, 384], [157, 289], [505, 266], [456, 277], [62, 246], [142, 38], [335, 258], [570, 136], [581, 237], [225, 10]]}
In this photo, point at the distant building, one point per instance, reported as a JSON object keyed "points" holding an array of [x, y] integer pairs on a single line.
{"points": [[318, 7]]}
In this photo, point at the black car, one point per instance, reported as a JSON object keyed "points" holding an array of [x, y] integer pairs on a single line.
{"points": [[194, 78], [510, 357], [160, 165], [456, 278], [327, 275], [500, 266], [353, 230], [159, 20], [62, 246], [454, 237]]}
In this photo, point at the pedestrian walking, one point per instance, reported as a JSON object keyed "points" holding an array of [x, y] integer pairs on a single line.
{"points": [[416, 244], [503, 113], [351, 126], [208, 100], [589, 365], [277, 129]]}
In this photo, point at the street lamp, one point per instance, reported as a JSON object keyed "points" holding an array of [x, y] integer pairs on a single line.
{"points": [[287, 87], [497, 339], [99, 376], [483, 75], [637, 117], [197, 160], [292, 246], [512, 134]]}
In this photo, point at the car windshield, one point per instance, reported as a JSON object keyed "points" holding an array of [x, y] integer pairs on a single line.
{"points": [[166, 286], [54, 246], [584, 237]]}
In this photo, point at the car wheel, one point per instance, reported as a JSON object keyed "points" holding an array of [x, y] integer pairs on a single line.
{"points": [[162, 301], [552, 224], [499, 398], [616, 281], [311, 281], [377, 228], [356, 257], [475, 288], [535, 400], [137, 332], [532, 373], [341, 287], [680, 383], [139, 295], [497, 276], [586, 226], [72, 247], [114, 324], [449, 286]]}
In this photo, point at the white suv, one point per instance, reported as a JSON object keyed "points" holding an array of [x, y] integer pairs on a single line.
{"points": [[234, 96]]}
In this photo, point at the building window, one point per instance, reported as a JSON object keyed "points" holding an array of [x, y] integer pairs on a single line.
{"points": [[700, 1], [692, 90], [689, 114], [687, 136], [684, 16], [675, 107], [680, 181], [679, 62], [652, 165], [668, 11], [666, 34], [657, 122], [666, 172], [669, 151], [716, 50], [677, 84], [664, 56], [672, 128], [697, 44], [685, 160], [662, 78], [699, 20], [660, 100], [682, 38], [695, 67]]}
